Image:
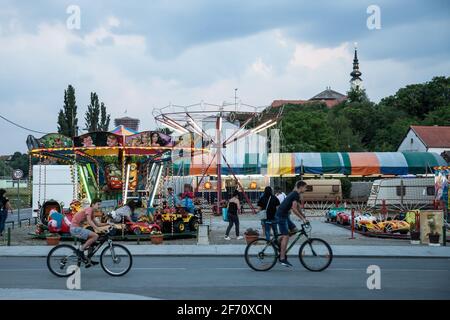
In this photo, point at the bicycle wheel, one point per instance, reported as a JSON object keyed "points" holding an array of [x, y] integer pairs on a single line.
{"points": [[261, 255], [116, 260], [60, 258], [315, 254]]}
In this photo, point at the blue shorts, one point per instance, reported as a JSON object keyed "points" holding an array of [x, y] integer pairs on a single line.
{"points": [[80, 233], [283, 226]]}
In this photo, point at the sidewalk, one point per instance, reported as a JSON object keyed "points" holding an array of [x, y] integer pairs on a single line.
{"points": [[51, 294], [238, 250]]}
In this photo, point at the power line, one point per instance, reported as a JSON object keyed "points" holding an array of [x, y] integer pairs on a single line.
{"points": [[22, 127]]}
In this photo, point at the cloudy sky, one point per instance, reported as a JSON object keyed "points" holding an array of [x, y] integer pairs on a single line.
{"points": [[139, 55]]}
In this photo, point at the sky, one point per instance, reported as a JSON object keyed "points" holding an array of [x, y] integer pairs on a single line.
{"points": [[142, 55]]}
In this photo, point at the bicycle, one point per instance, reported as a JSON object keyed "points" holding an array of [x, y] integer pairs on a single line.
{"points": [[315, 254], [64, 255]]}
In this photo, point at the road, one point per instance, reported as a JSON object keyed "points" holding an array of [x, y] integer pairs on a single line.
{"points": [[230, 278]]}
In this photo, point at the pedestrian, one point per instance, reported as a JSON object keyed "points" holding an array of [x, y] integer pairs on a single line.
{"points": [[292, 202], [234, 206], [4, 208], [280, 194], [268, 203]]}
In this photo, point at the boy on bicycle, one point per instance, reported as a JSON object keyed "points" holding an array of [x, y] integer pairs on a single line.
{"points": [[291, 202], [77, 231]]}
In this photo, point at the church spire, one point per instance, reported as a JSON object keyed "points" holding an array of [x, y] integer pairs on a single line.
{"points": [[356, 81]]}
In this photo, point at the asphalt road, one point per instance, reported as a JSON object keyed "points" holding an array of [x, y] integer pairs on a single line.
{"points": [[230, 278]]}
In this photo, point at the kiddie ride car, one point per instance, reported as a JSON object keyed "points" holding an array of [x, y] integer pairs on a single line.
{"points": [[344, 218], [142, 226], [332, 213], [390, 226], [176, 220]]}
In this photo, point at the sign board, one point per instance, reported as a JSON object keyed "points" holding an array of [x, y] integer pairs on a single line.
{"points": [[17, 174], [434, 218]]}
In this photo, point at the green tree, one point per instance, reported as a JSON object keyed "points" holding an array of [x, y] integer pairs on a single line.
{"points": [[346, 139], [440, 117], [420, 99], [306, 130], [96, 117], [357, 95], [92, 115], [105, 118], [67, 117]]}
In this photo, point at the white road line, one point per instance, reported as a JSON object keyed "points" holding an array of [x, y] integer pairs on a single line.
{"points": [[386, 269]]}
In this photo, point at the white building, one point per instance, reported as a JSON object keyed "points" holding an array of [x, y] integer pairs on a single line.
{"points": [[426, 139]]}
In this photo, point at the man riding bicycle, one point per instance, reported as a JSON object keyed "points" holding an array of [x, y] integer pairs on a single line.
{"points": [[291, 202], [77, 231]]}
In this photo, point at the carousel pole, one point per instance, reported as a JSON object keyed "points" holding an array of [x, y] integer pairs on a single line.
{"points": [[219, 165]]}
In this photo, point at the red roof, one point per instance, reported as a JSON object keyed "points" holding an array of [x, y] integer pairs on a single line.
{"points": [[279, 103], [433, 136], [329, 103]]}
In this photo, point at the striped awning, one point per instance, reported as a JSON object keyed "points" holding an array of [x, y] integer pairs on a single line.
{"points": [[353, 163], [342, 163]]}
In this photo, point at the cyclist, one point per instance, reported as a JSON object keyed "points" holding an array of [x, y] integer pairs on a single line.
{"points": [[77, 231], [282, 215]]}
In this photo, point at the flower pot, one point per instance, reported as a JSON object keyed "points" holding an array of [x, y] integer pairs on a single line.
{"points": [[434, 239], [53, 241], [415, 237], [157, 239], [250, 238]]}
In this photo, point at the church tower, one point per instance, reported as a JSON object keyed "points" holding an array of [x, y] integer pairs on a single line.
{"points": [[356, 81]]}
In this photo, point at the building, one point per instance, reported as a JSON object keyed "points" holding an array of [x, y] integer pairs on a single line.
{"points": [[426, 138], [128, 122]]}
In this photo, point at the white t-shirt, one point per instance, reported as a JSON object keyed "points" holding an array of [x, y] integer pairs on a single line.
{"points": [[281, 197]]}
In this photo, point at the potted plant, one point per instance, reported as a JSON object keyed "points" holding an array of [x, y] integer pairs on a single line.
{"points": [[414, 233], [433, 236], [251, 235], [53, 239], [156, 237]]}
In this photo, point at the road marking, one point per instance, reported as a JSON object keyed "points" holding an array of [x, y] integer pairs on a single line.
{"points": [[160, 268], [386, 269]]}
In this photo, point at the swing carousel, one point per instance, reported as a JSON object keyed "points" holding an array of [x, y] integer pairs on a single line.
{"points": [[120, 165], [206, 126]]}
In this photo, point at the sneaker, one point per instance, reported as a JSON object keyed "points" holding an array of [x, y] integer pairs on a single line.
{"points": [[227, 238], [285, 263], [239, 238]]}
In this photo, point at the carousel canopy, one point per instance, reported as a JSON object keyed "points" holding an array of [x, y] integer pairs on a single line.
{"points": [[123, 131]]}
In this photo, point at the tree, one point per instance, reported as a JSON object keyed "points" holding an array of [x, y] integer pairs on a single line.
{"points": [[67, 117], [440, 117], [104, 118], [418, 100], [307, 130], [357, 95], [92, 114], [96, 117]]}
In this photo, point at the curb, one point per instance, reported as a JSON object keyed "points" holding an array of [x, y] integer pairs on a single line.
{"points": [[339, 251]]}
